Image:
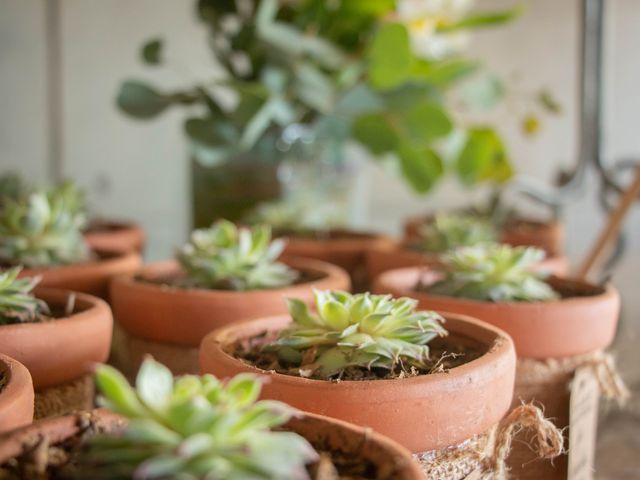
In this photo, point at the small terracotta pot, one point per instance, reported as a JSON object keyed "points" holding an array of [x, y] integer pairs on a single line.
{"points": [[182, 316], [322, 432], [402, 255], [549, 236], [422, 413], [16, 396], [344, 248], [63, 349], [558, 328], [90, 277], [115, 236]]}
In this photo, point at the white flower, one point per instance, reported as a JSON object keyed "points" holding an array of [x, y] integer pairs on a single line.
{"points": [[424, 17]]}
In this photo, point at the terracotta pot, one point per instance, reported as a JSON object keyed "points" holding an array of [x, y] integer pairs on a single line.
{"points": [[183, 316], [426, 412], [403, 255], [322, 432], [558, 328], [115, 236], [344, 248], [90, 277], [549, 236], [64, 349], [58, 429], [16, 395]]}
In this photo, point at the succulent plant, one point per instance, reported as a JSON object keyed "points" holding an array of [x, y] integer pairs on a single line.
{"points": [[193, 427], [227, 257], [361, 330], [449, 231], [71, 198], [494, 272], [41, 230], [12, 187], [17, 302]]}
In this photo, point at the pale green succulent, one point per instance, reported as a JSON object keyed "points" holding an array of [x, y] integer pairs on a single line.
{"points": [[494, 272], [361, 330], [449, 231], [300, 214], [71, 198], [12, 187], [193, 427], [231, 258], [41, 230], [17, 302]]}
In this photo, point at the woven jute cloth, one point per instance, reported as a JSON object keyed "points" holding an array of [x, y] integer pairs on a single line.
{"points": [[484, 457], [132, 351], [67, 398], [548, 383]]}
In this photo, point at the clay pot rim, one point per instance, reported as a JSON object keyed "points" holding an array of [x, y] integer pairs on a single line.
{"points": [[297, 263], [499, 345], [105, 258], [18, 379], [387, 278], [58, 429], [86, 307]]}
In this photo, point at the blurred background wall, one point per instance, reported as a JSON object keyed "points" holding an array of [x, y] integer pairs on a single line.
{"points": [[140, 170]]}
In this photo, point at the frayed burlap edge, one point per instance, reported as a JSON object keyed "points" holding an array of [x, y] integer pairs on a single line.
{"points": [[484, 457], [67, 398], [601, 364], [178, 358]]}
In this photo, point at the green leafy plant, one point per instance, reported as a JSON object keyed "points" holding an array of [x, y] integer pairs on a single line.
{"points": [[12, 187], [18, 304], [494, 272], [381, 73], [231, 258], [448, 231], [193, 427], [41, 230], [361, 330]]}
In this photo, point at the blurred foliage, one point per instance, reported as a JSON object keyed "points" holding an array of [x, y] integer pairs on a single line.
{"points": [[377, 72]]}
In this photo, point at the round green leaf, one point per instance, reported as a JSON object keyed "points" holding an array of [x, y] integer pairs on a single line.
{"points": [[390, 56], [375, 133], [141, 101], [152, 51]]}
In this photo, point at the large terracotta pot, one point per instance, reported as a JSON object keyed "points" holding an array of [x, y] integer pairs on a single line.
{"points": [[146, 308], [403, 255], [90, 277], [16, 394], [427, 412], [347, 249], [558, 328], [60, 353], [326, 434], [115, 236], [548, 236]]}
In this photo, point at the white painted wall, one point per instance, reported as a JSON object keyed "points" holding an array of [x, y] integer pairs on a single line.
{"points": [[139, 170]]}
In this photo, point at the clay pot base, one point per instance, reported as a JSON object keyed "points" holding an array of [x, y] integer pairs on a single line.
{"points": [[445, 354], [64, 399]]}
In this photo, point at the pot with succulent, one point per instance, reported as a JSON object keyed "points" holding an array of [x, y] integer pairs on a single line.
{"points": [[198, 427], [381, 75], [42, 231], [444, 233], [377, 362], [558, 324], [16, 394], [57, 335], [222, 275]]}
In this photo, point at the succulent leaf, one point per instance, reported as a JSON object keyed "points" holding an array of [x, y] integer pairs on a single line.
{"points": [[496, 273], [43, 229], [449, 231], [227, 257], [17, 302], [197, 428], [361, 330]]}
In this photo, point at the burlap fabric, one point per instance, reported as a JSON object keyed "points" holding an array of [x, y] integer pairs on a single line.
{"points": [[66, 398], [132, 350], [547, 383], [484, 457]]}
